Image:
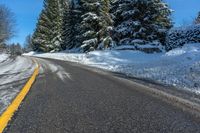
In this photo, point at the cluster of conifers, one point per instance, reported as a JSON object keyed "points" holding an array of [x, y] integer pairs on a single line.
{"points": [[97, 24]]}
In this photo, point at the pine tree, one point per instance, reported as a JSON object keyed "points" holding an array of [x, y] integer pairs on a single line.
{"points": [[28, 46], [140, 21], [66, 27], [197, 20], [71, 25], [76, 13], [41, 35], [95, 23], [57, 22], [107, 24], [47, 36]]}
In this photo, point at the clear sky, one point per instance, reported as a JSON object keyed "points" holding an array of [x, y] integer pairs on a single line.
{"points": [[27, 11], [26, 15], [185, 11]]}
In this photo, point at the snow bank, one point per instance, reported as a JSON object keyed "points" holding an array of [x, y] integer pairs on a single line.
{"points": [[179, 67], [14, 73], [3, 57]]}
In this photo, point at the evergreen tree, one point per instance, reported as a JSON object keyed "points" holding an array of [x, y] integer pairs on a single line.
{"points": [[41, 35], [28, 46], [95, 23], [66, 31], [140, 21], [76, 13], [47, 36], [71, 25], [55, 9]]}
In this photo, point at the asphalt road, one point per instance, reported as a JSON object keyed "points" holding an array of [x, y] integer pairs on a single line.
{"points": [[67, 98]]}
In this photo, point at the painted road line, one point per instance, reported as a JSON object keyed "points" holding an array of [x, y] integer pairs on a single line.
{"points": [[13, 107]]}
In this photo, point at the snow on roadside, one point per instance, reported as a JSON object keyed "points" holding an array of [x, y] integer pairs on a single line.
{"points": [[3, 57], [15, 70], [179, 67], [14, 73]]}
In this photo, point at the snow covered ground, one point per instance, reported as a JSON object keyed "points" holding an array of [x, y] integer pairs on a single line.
{"points": [[14, 73], [179, 67]]}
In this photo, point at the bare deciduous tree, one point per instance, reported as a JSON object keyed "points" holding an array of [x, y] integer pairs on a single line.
{"points": [[7, 24]]}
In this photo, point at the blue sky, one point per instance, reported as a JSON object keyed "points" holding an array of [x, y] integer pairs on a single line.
{"points": [[184, 11], [26, 14], [27, 11]]}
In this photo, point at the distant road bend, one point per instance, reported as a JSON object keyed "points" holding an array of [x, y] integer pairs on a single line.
{"points": [[67, 98]]}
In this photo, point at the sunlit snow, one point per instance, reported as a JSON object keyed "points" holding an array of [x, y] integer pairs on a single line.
{"points": [[14, 72]]}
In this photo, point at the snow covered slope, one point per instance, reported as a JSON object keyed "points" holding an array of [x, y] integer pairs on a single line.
{"points": [[179, 67], [14, 73]]}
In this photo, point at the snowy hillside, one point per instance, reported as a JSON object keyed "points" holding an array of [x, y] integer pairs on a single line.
{"points": [[179, 67]]}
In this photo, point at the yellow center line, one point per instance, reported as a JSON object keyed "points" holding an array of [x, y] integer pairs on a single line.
{"points": [[13, 107]]}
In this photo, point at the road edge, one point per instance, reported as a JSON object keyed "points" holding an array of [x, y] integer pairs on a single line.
{"points": [[13, 107], [182, 103]]}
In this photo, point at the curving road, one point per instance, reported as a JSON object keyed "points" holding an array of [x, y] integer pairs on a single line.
{"points": [[67, 98]]}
